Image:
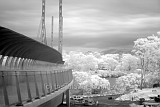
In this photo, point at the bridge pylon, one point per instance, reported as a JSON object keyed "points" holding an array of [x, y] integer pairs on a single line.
{"points": [[60, 43], [42, 29], [52, 32]]}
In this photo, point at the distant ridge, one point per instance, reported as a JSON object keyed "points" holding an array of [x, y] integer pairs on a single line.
{"points": [[117, 51]]}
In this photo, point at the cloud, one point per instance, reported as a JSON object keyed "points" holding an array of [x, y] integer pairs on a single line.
{"points": [[98, 27]]}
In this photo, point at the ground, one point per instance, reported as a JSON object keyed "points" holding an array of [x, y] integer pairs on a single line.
{"points": [[137, 94], [122, 100], [104, 102]]}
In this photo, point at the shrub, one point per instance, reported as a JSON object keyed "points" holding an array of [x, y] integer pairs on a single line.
{"points": [[127, 82]]}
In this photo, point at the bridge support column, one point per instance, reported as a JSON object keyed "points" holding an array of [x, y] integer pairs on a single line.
{"points": [[68, 98]]}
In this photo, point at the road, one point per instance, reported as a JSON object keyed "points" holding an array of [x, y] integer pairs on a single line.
{"points": [[104, 102]]}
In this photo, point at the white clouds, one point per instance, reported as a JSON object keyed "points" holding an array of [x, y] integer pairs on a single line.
{"points": [[125, 24], [93, 26]]}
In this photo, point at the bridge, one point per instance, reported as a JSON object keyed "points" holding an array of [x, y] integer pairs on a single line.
{"points": [[31, 74]]}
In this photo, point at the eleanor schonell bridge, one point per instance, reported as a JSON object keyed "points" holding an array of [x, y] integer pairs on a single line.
{"points": [[31, 73]]}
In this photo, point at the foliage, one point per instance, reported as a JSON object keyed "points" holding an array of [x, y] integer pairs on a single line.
{"points": [[98, 82], [147, 49], [91, 69], [112, 74], [127, 82], [129, 62], [152, 78], [87, 82], [109, 61], [80, 62], [78, 78]]}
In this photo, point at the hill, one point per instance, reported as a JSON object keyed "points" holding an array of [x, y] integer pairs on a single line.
{"points": [[117, 51]]}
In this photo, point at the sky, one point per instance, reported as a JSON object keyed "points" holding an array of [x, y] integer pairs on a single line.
{"points": [[87, 24]]}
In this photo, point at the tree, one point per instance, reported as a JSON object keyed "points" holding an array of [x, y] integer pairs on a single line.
{"points": [[79, 78], [81, 62], [95, 82], [98, 82], [146, 49], [152, 78], [129, 62], [110, 62], [129, 81], [87, 82]]}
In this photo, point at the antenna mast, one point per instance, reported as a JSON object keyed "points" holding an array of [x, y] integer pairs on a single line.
{"points": [[60, 43]]}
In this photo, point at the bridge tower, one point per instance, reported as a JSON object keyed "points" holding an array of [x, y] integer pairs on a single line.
{"points": [[60, 42], [42, 28]]}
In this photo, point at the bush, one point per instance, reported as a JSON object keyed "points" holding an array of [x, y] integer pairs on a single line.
{"points": [[112, 74], [152, 78], [127, 82]]}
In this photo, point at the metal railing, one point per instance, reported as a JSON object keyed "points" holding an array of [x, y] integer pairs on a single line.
{"points": [[19, 85]]}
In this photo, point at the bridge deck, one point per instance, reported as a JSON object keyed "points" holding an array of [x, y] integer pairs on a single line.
{"points": [[31, 73]]}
